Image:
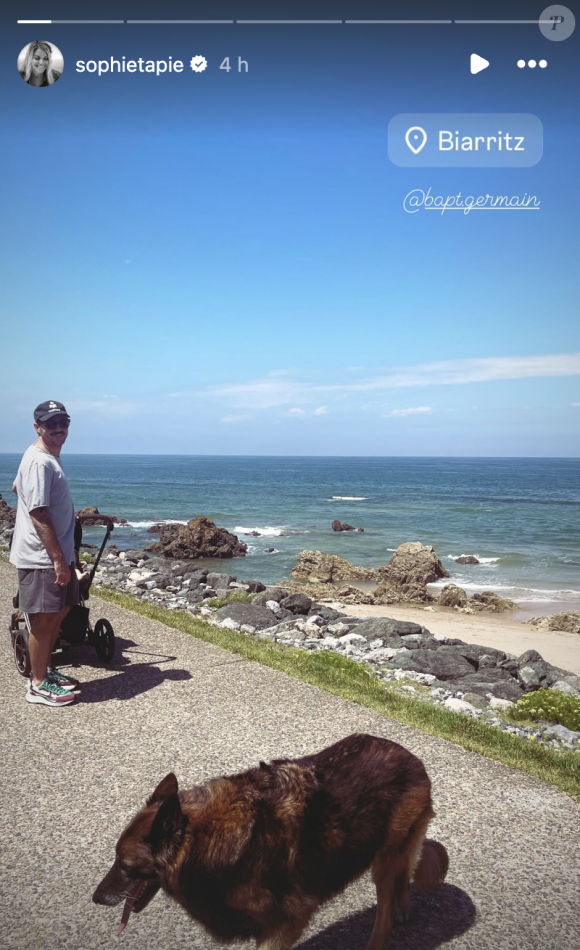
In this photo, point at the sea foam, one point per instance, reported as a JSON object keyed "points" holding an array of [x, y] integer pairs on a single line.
{"points": [[348, 498], [148, 524], [267, 532], [482, 560]]}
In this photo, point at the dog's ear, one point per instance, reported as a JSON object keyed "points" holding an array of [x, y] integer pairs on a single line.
{"points": [[167, 828], [167, 786]]}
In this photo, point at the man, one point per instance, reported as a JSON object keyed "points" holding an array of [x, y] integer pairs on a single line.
{"points": [[43, 551]]}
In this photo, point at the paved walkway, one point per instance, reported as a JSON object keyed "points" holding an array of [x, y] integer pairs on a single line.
{"points": [[71, 778]]}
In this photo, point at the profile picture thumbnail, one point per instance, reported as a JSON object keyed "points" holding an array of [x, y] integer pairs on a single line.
{"points": [[40, 63]]}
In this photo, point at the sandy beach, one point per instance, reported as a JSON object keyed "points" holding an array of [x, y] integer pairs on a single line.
{"points": [[491, 630]]}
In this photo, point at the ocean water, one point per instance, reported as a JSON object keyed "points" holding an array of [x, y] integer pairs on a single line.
{"points": [[520, 517]]}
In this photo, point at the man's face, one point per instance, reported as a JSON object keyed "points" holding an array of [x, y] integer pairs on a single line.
{"points": [[54, 431]]}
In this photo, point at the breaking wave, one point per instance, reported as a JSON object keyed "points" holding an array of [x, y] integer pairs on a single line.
{"points": [[148, 524], [348, 498], [482, 560], [519, 594], [263, 532]]}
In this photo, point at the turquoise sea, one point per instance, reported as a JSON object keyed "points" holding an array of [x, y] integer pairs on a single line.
{"points": [[521, 517]]}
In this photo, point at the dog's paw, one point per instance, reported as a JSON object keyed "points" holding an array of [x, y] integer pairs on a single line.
{"points": [[402, 906], [402, 915]]}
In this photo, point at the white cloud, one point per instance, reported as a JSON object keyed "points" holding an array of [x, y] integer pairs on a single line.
{"points": [[297, 413], [576, 403], [487, 369], [321, 411], [279, 389], [412, 411], [232, 420]]}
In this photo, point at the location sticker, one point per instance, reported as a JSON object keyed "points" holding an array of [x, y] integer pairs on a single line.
{"points": [[415, 138]]}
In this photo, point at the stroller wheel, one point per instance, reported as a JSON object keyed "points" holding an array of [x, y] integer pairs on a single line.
{"points": [[21, 654], [104, 640]]}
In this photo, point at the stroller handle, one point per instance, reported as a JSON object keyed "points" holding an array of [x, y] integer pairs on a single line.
{"points": [[96, 519], [109, 524]]}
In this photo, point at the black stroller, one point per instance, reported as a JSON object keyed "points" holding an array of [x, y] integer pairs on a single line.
{"points": [[76, 626]]}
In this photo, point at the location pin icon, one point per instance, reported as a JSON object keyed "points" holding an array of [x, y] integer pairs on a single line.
{"points": [[415, 138]]}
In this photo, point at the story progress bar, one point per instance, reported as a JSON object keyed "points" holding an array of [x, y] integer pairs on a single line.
{"points": [[290, 22]]}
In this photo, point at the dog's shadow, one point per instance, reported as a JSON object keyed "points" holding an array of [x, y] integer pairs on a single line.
{"points": [[435, 919], [132, 678]]}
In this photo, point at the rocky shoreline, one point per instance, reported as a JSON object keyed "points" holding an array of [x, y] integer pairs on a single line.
{"points": [[475, 680]]}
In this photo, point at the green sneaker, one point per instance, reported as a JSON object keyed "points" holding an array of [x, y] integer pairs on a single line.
{"points": [[69, 683], [48, 693]]}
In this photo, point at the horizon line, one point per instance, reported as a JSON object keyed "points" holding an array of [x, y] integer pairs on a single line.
{"points": [[567, 458]]}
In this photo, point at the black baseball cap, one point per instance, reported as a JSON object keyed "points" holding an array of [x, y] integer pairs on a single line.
{"points": [[46, 410]]}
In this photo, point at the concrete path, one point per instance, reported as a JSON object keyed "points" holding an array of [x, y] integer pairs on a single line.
{"points": [[71, 779]]}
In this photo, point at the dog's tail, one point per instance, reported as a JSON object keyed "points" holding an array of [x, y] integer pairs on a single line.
{"points": [[432, 867]]}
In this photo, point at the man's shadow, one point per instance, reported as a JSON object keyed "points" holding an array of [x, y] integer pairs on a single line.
{"points": [[435, 919], [132, 678]]}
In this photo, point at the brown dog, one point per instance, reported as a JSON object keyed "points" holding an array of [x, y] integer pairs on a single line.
{"points": [[255, 855]]}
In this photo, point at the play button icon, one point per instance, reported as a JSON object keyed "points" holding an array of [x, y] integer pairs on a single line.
{"points": [[478, 63]]}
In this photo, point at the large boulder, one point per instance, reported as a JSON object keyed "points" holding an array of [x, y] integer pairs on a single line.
{"points": [[532, 671], [7, 514], [255, 587], [193, 579], [402, 594], [501, 689], [7, 521], [412, 563], [219, 581], [269, 593], [483, 676], [467, 559], [94, 516], [445, 666], [405, 577], [328, 614], [480, 657], [316, 567], [198, 538], [490, 601], [297, 603], [247, 615], [568, 621], [416, 641], [385, 628], [347, 594], [452, 596]]}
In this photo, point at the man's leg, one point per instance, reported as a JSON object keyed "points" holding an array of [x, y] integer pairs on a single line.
{"points": [[43, 634]]}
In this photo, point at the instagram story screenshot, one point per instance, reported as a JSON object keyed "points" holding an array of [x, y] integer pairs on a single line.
{"points": [[290, 474]]}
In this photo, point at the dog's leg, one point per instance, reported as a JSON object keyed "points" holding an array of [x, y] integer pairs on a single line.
{"points": [[384, 871], [392, 872]]}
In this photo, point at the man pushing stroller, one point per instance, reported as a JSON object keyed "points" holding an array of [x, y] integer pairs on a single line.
{"points": [[43, 552]]}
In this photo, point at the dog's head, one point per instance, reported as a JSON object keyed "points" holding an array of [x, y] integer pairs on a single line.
{"points": [[147, 844]]}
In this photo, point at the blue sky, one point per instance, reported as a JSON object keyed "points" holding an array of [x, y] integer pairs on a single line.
{"points": [[221, 263]]}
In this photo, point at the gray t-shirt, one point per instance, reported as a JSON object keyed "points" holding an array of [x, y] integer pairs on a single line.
{"points": [[41, 482]]}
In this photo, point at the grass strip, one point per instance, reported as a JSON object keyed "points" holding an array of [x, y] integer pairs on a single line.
{"points": [[351, 680]]}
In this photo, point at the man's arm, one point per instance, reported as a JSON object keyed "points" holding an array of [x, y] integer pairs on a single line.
{"points": [[44, 528]]}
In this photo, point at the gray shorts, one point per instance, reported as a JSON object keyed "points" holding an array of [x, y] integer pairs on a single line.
{"points": [[38, 592]]}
